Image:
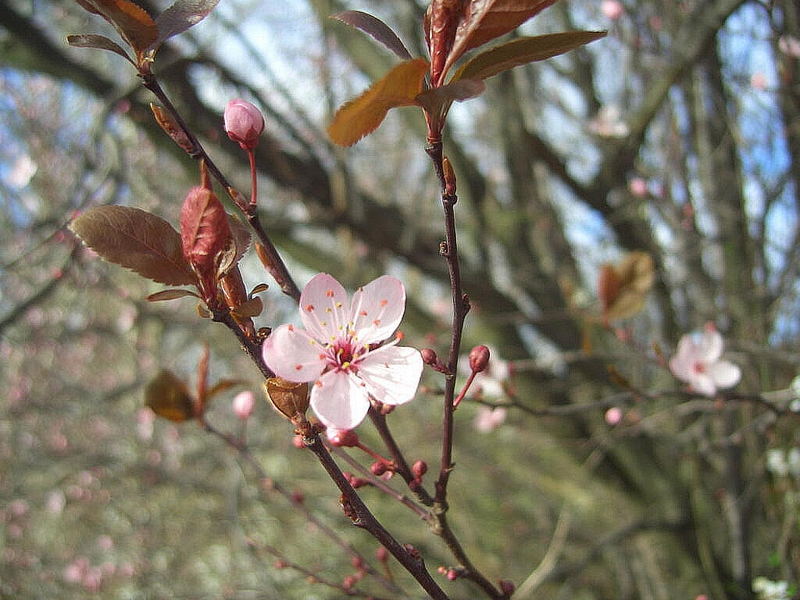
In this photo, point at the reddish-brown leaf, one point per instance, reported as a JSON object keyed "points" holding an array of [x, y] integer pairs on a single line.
{"points": [[485, 20], [205, 232], [361, 116], [522, 51], [636, 275], [136, 240], [441, 23], [171, 294], [135, 26], [375, 28], [100, 42], [168, 397]]}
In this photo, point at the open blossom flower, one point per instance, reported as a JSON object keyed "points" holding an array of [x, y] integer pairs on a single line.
{"points": [[339, 349], [243, 123], [697, 362]]}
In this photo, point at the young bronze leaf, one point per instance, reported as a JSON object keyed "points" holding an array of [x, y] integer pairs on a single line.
{"points": [[205, 232], [241, 237], [522, 51], [437, 99], [182, 15], [636, 274], [361, 116], [485, 20], [172, 294], [137, 240], [168, 397], [376, 28], [98, 41], [135, 26]]}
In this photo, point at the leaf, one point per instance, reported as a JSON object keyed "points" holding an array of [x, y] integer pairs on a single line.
{"points": [[170, 295], [437, 99], [136, 240], [376, 28], [635, 276], [135, 26], [261, 287], [289, 398], [205, 232], [484, 20], [168, 397], [100, 42], [241, 237], [523, 51], [361, 116], [182, 15], [249, 309], [221, 386]]}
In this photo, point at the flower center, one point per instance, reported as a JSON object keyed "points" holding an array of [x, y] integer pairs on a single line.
{"points": [[699, 367], [343, 355]]}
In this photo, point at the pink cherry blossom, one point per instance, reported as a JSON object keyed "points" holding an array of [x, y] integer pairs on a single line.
{"points": [[340, 349], [697, 362], [488, 419], [612, 9], [243, 123]]}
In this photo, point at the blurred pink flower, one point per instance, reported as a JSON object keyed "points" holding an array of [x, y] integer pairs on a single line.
{"points": [[697, 362], [789, 45], [338, 349], [638, 187], [488, 419], [243, 404], [612, 9], [613, 415], [243, 123]]}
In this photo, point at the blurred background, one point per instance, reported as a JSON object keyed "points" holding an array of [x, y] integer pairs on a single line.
{"points": [[678, 135]]}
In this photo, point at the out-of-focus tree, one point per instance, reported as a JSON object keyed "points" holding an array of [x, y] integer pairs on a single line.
{"points": [[676, 139]]}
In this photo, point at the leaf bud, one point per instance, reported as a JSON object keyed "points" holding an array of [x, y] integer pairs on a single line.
{"points": [[243, 123], [429, 356], [173, 129], [288, 397], [479, 359], [449, 177]]}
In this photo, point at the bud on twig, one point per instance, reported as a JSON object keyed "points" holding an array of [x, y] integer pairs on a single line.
{"points": [[449, 177], [479, 359], [243, 123], [243, 404], [419, 468], [172, 129]]}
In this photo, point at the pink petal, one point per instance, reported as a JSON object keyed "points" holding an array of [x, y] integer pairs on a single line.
{"points": [[703, 384], [682, 363], [324, 308], [377, 309], [725, 374], [709, 347], [391, 373], [339, 400], [292, 354]]}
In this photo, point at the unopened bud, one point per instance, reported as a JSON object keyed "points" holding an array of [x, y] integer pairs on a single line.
{"points": [[507, 587], [243, 404], [419, 469], [243, 123], [449, 177], [298, 497], [357, 562], [172, 129], [479, 358], [348, 582], [452, 574], [342, 438], [429, 356], [382, 554], [297, 442], [378, 468]]}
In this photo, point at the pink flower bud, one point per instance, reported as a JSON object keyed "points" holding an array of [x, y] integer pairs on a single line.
{"points": [[479, 358], [243, 404], [428, 356], [419, 468], [613, 9], [613, 416], [346, 438], [378, 468], [452, 574], [382, 554], [507, 587], [243, 123]]}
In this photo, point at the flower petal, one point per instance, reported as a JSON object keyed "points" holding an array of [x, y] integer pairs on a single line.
{"points": [[324, 308], [703, 384], [725, 374], [391, 373], [377, 309], [292, 354], [709, 346], [683, 361], [339, 400]]}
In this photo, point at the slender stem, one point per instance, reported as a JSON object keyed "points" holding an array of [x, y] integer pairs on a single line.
{"points": [[251, 155], [252, 349], [277, 268], [362, 517]]}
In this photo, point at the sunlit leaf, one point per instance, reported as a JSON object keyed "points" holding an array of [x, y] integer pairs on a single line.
{"points": [[288, 397], [635, 275], [137, 240], [182, 15], [168, 397], [361, 116], [250, 308], [522, 51], [170, 295], [435, 100], [100, 42], [376, 28], [135, 26], [485, 20]]}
